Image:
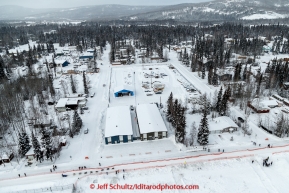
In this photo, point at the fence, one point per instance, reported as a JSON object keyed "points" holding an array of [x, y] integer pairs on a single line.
{"points": [[47, 189]]}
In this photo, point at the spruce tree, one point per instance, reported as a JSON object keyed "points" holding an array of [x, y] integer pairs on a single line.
{"points": [[224, 103], [46, 142], [175, 113], [203, 71], [219, 100], [76, 123], [72, 85], [169, 107], [203, 134], [215, 78], [85, 84], [2, 66], [24, 145], [36, 146], [180, 130]]}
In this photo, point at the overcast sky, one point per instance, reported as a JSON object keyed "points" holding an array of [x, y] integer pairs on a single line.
{"points": [[75, 3]]}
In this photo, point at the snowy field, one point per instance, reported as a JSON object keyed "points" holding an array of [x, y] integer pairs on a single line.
{"points": [[232, 175]]}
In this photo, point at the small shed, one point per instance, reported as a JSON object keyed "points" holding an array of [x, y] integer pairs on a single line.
{"points": [[5, 158], [123, 90], [62, 141], [30, 154], [118, 127], [222, 124]]}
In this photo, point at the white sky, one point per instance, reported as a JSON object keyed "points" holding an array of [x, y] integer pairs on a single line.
{"points": [[76, 3]]}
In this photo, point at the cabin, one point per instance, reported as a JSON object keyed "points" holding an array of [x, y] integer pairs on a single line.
{"points": [[222, 124]]}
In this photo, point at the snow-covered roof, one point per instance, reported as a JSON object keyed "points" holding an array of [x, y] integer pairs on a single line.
{"points": [[4, 156], [72, 101], [61, 102], [265, 104], [149, 118], [87, 54], [122, 87], [269, 103], [30, 152], [221, 123], [60, 61], [118, 121]]}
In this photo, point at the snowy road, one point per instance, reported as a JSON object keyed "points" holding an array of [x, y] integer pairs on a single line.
{"points": [[39, 177], [198, 84]]}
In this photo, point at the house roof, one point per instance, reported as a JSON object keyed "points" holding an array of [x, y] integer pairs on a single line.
{"points": [[30, 152], [61, 102], [118, 121], [122, 87], [221, 123], [72, 101], [149, 118], [87, 54], [265, 104]]}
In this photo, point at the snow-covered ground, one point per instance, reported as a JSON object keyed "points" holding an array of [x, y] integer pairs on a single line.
{"points": [[159, 161]]}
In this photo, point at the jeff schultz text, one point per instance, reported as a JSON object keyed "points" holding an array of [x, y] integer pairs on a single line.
{"points": [[146, 187]]}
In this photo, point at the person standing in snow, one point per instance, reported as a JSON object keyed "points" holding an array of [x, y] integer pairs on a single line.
{"points": [[19, 175], [25, 173], [50, 170]]}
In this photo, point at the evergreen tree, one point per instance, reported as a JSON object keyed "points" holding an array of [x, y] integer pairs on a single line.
{"points": [[36, 146], [203, 71], [210, 75], [176, 113], [24, 145], [279, 130], [203, 134], [2, 66], [169, 107], [76, 123], [180, 131], [193, 134], [72, 85], [215, 78], [245, 73], [85, 84], [224, 103], [46, 142], [219, 100]]}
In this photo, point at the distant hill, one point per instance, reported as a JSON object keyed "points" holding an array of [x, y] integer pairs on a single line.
{"points": [[80, 13], [207, 11]]}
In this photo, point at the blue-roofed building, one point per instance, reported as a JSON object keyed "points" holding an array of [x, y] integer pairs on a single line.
{"points": [[122, 90], [62, 63]]}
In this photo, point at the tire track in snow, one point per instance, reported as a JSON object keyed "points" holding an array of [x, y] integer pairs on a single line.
{"points": [[264, 179]]}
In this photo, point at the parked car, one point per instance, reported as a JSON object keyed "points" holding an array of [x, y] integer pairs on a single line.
{"points": [[131, 108], [84, 108], [92, 95], [85, 131]]}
